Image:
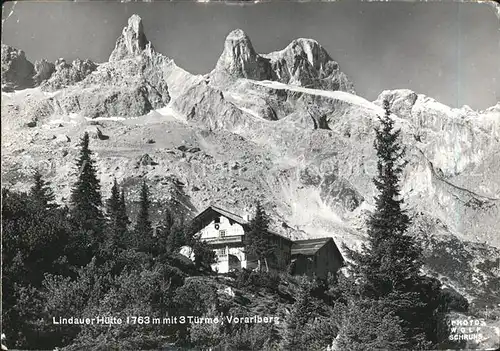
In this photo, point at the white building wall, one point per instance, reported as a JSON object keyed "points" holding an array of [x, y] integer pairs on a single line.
{"points": [[234, 229], [222, 264], [210, 232]]}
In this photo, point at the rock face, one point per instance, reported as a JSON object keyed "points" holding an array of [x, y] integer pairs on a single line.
{"points": [[146, 160], [205, 104], [131, 84], [43, 71], [66, 74], [17, 71], [304, 62], [131, 87], [462, 132], [239, 60], [96, 133], [132, 41]]}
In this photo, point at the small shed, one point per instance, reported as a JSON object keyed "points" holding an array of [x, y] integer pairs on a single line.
{"points": [[315, 257]]}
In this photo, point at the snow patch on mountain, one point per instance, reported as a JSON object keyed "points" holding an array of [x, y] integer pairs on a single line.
{"points": [[336, 95]]}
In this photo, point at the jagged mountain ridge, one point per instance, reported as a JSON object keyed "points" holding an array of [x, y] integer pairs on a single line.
{"points": [[304, 62], [306, 150], [17, 71]]}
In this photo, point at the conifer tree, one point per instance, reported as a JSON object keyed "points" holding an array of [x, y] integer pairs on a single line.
{"points": [[164, 232], [257, 239], [298, 318], [122, 217], [117, 216], [204, 256], [113, 203], [168, 221], [41, 192], [87, 218], [143, 228], [86, 199], [177, 236], [388, 268]]}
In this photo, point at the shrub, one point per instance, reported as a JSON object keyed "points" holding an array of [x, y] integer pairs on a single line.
{"points": [[207, 334], [255, 280], [367, 325], [253, 337]]}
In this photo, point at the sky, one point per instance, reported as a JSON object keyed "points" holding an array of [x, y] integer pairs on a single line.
{"points": [[447, 50]]}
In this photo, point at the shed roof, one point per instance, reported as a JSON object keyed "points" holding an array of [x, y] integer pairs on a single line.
{"points": [[309, 246]]}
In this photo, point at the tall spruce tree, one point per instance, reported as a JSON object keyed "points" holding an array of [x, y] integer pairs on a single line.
{"points": [[113, 203], [41, 192], [117, 216], [164, 231], [87, 218], [122, 217], [388, 268], [86, 199], [177, 236], [258, 243], [143, 229]]}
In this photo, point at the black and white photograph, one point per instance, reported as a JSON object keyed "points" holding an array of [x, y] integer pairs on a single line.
{"points": [[250, 175]]}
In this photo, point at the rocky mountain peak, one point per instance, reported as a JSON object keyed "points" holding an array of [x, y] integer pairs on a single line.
{"points": [[304, 62], [239, 60], [238, 46], [17, 71], [238, 35], [132, 41], [64, 74], [44, 70], [316, 55]]}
